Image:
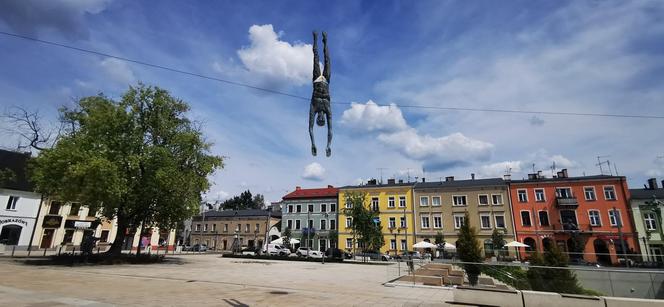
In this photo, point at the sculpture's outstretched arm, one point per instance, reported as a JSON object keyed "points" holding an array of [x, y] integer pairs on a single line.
{"points": [[316, 73], [326, 70], [328, 114], [311, 129]]}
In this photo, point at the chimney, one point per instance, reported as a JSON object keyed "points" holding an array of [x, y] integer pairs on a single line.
{"points": [[532, 176], [652, 184], [390, 181], [400, 180], [564, 171], [298, 188], [424, 179], [559, 174], [371, 182], [449, 178], [329, 186], [472, 176], [539, 174], [507, 177]]}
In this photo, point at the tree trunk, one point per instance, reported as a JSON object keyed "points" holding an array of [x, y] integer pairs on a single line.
{"points": [[120, 234]]}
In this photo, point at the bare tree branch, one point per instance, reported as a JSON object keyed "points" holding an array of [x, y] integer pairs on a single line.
{"points": [[28, 125]]}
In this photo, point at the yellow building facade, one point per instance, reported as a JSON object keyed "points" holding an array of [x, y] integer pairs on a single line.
{"points": [[394, 203]]}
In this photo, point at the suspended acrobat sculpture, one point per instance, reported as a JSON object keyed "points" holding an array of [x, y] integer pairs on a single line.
{"points": [[320, 99]]}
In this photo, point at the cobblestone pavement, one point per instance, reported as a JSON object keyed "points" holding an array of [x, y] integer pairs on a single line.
{"points": [[209, 280]]}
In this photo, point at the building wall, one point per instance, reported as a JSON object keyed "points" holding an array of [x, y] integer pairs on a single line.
{"points": [[650, 241], [605, 233], [383, 193], [447, 210], [23, 215], [330, 217], [225, 229]]}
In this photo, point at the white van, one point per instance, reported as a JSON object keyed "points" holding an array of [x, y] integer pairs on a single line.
{"points": [[276, 249]]}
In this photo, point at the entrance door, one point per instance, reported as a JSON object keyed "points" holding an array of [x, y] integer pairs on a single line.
{"points": [[602, 252], [10, 234], [657, 254], [322, 244], [47, 238]]}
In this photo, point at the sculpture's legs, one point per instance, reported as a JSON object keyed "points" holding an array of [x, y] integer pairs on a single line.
{"points": [[326, 54], [316, 73], [328, 150], [311, 130]]}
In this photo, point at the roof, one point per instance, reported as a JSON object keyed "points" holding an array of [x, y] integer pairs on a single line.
{"points": [[565, 179], [384, 185], [241, 213], [17, 163], [646, 193], [300, 193], [461, 183]]}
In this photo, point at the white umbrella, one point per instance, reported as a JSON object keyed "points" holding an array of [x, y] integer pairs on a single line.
{"points": [[449, 246], [516, 244], [281, 241], [424, 244]]}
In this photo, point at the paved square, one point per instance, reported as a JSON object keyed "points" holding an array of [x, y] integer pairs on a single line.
{"points": [[210, 280]]}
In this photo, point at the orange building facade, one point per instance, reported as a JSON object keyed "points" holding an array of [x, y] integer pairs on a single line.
{"points": [[588, 217]]}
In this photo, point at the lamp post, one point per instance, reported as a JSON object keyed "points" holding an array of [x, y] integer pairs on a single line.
{"points": [[616, 214]]}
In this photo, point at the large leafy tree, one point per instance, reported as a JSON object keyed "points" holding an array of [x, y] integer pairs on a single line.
{"points": [[363, 227], [139, 159], [469, 250], [497, 241], [244, 201]]}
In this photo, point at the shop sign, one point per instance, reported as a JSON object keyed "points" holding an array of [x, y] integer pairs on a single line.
{"points": [[14, 220], [52, 221], [78, 224]]}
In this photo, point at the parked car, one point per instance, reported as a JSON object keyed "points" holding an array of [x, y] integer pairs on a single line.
{"points": [[336, 253], [374, 256], [196, 248], [248, 252], [276, 250], [305, 251], [410, 254]]}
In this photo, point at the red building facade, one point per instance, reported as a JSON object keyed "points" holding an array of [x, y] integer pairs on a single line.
{"points": [[585, 216]]}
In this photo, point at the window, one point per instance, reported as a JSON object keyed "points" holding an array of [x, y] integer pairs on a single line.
{"points": [[525, 218], [614, 217], [500, 221], [539, 195], [459, 200], [425, 222], [311, 208], [74, 209], [55, 207], [69, 236], [483, 199], [589, 193], [237, 227], [349, 222], [497, 199], [435, 200], [91, 211], [205, 227], [485, 221], [403, 244], [333, 224], [290, 208], [374, 203], [523, 196], [543, 218], [437, 222], [402, 201], [323, 207], [349, 243], [297, 224], [424, 201], [290, 224], [214, 227], [349, 205], [595, 219], [564, 192], [311, 224], [333, 207], [198, 227], [247, 227], [392, 222], [393, 244], [11, 204], [458, 221], [104, 236], [323, 224], [609, 193], [298, 208], [258, 227], [391, 204], [649, 221], [403, 222]]}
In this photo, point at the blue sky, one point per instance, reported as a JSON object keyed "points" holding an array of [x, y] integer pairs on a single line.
{"points": [[566, 56]]}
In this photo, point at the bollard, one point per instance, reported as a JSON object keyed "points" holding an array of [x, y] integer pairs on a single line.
{"points": [[29, 250], [59, 250], [98, 248], [44, 252], [13, 250]]}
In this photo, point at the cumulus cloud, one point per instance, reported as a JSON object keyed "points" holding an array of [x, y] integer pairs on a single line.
{"points": [[65, 16], [435, 153], [118, 70], [276, 61], [372, 117], [313, 171], [541, 160]]}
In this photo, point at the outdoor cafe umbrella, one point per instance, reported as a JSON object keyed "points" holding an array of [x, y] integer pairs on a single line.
{"points": [[281, 241], [516, 245], [424, 244], [448, 246]]}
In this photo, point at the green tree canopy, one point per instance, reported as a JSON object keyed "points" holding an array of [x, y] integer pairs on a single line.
{"points": [[552, 279], [469, 250], [244, 201], [363, 228], [497, 240], [140, 160]]}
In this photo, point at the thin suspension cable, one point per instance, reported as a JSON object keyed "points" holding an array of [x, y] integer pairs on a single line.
{"points": [[276, 92]]}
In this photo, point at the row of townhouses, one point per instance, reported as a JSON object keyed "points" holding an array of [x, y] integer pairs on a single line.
{"points": [[599, 212], [30, 221]]}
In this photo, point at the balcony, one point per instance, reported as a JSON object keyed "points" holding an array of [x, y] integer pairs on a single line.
{"points": [[572, 227], [567, 202]]}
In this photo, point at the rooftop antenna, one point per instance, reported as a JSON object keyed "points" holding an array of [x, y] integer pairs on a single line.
{"points": [[615, 168], [381, 173], [408, 172], [553, 169], [508, 170], [600, 163], [533, 167]]}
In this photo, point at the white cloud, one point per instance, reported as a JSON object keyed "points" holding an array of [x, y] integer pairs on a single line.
{"points": [[542, 162], [118, 70], [372, 117], [500, 168], [274, 60], [313, 171]]}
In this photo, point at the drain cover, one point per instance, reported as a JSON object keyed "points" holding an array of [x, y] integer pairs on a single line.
{"points": [[279, 292]]}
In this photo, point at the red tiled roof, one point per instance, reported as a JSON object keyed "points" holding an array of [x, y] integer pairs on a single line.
{"points": [[330, 191]]}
